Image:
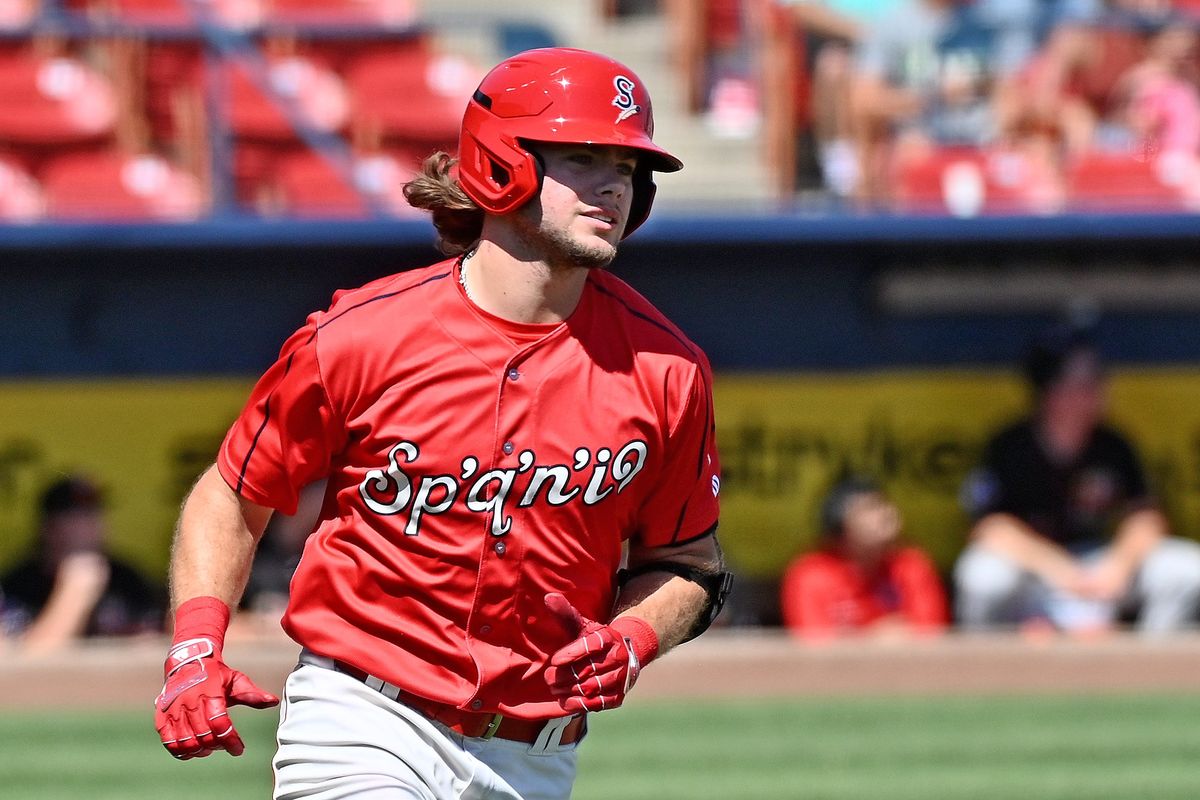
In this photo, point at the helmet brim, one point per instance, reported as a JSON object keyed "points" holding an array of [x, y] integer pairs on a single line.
{"points": [[650, 155]]}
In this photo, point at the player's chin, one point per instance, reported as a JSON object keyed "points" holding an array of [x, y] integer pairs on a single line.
{"points": [[594, 252], [598, 233]]}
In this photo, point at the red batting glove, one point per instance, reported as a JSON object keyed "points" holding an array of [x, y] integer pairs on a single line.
{"points": [[191, 713], [597, 669]]}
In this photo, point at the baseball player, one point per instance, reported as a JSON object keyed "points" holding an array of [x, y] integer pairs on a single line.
{"points": [[500, 433]]}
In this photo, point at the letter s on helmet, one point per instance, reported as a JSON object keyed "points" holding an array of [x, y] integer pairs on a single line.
{"points": [[554, 94]]}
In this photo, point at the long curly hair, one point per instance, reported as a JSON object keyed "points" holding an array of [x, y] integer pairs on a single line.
{"points": [[459, 222]]}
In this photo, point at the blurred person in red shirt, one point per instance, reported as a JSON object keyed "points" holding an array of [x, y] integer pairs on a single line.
{"points": [[862, 580]]}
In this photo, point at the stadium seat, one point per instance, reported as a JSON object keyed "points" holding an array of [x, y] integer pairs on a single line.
{"points": [[349, 13], [21, 198], [409, 94], [965, 182], [264, 135], [51, 101], [111, 186], [1122, 182], [317, 96], [311, 186]]}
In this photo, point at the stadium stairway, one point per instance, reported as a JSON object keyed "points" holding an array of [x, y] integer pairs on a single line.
{"points": [[721, 173], [726, 174]]}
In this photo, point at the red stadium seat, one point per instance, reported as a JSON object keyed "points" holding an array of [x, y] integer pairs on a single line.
{"points": [[1122, 182], [410, 94], [113, 186], [311, 186], [969, 181], [263, 132], [50, 101], [254, 167], [21, 198], [390, 13], [316, 94]]}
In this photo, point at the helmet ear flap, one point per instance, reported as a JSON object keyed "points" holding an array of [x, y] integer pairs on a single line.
{"points": [[539, 165], [644, 190], [496, 172]]}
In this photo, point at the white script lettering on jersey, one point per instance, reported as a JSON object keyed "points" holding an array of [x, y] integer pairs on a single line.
{"points": [[589, 478]]}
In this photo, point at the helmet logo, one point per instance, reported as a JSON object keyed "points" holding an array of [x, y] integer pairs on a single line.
{"points": [[624, 99]]}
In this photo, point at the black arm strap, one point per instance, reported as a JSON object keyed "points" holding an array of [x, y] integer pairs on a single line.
{"points": [[715, 584]]}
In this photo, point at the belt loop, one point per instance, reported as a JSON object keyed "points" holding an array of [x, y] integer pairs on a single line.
{"points": [[550, 738], [492, 726]]}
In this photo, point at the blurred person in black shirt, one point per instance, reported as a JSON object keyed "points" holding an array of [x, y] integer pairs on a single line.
{"points": [[1067, 531], [70, 587]]}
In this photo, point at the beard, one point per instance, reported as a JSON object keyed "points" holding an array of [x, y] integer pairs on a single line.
{"points": [[557, 247]]}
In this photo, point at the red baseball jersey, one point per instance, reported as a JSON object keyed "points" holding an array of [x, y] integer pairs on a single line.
{"points": [[825, 594], [474, 465]]}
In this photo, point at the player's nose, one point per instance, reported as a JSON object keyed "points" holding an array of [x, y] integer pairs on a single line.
{"points": [[614, 183]]}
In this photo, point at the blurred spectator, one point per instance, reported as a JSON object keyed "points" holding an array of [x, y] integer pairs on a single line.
{"points": [[833, 30], [948, 73], [1095, 57], [1156, 107], [70, 587], [862, 581], [922, 78], [1067, 531], [732, 108]]}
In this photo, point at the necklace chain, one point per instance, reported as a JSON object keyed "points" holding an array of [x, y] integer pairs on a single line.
{"points": [[462, 275]]}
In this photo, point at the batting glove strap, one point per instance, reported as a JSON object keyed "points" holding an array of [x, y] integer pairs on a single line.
{"points": [[641, 640], [635, 666], [640, 636], [178, 679], [186, 652]]}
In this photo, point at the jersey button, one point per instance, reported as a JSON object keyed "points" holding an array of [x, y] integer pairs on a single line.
{"points": [[499, 547], [485, 629], [476, 704], [508, 448], [513, 374]]}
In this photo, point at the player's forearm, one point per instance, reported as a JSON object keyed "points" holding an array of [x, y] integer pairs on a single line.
{"points": [[1012, 538], [214, 542], [669, 603], [1138, 534], [78, 586]]}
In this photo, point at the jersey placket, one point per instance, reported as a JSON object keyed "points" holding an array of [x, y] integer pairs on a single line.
{"points": [[493, 613]]}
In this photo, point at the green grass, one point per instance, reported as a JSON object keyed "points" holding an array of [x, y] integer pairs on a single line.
{"points": [[1098, 748], [1127, 748]]}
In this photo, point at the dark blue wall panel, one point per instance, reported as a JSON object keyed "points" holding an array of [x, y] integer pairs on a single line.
{"points": [[755, 294]]}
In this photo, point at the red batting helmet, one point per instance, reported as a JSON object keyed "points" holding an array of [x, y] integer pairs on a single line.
{"points": [[554, 94]]}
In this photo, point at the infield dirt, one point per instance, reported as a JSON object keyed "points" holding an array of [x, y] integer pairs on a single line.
{"points": [[730, 663]]}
